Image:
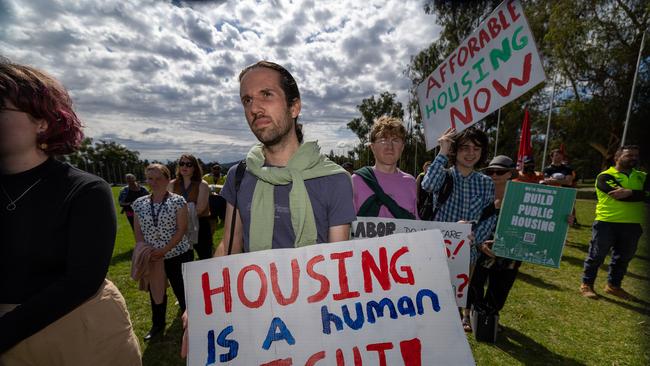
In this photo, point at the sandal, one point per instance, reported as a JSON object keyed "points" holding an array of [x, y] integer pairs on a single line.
{"points": [[467, 325]]}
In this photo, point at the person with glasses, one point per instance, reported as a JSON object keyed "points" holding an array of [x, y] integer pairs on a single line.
{"points": [[58, 226], [160, 224], [194, 189], [383, 190]]}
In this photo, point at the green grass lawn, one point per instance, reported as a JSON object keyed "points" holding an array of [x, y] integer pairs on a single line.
{"points": [[545, 320]]}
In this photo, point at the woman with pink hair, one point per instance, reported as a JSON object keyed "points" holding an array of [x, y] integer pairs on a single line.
{"points": [[58, 225]]}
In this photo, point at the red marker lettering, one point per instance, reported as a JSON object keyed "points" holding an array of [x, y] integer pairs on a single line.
{"points": [[408, 279], [263, 287], [411, 352], [343, 277], [324, 282], [295, 283], [368, 265], [380, 348], [208, 292]]}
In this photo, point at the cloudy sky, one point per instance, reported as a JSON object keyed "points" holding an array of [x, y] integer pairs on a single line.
{"points": [[160, 77]]}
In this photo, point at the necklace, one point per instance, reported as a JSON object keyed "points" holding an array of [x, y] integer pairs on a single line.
{"points": [[12, 203], [155, 215]]}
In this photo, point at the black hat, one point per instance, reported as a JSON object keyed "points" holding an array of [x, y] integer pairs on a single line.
{"points": [[529, 160], [501, 162]]}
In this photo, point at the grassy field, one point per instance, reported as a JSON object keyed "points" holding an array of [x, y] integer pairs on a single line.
{"points": [[546, 321]]}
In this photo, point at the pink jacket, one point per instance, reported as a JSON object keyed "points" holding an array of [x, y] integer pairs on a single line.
{"points": [[150, 274]]}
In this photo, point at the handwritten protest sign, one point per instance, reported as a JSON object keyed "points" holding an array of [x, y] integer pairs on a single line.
{"points": [[533, 223], [496, 64], [456, 244], [381, 301]]}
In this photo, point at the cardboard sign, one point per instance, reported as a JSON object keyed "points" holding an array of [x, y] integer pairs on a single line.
{"points": [[456, 244], [381, 301], [533, 223], [496, 64]]}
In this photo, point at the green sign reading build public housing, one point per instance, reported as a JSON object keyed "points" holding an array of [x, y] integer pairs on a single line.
{"points": [[533, 223]]}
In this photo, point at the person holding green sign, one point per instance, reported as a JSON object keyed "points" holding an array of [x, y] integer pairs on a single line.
{"points": [[499, 273], [621, 192]]}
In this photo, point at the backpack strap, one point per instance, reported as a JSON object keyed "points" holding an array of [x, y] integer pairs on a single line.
{"points": [[372, 205], [487, 212], [444, 193], [239, 176]]}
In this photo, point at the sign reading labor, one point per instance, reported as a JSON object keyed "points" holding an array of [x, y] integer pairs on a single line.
{"points": [[497, 63], [379, 301], [533, 223], [455, 242]]}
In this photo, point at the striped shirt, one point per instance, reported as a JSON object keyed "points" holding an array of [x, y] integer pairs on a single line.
{"points": [[469, 196]]}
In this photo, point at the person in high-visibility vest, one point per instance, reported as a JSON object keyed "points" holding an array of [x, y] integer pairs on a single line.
{"points": [[622, 192]]}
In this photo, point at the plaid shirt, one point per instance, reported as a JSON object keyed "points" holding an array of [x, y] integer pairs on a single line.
{"points": [[469, 196]]}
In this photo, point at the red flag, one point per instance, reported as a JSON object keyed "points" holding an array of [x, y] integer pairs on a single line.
{"points": [[525, 145]]}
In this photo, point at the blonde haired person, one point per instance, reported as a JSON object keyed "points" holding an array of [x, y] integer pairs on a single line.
{"points": [[383, 190], [161, 222]]}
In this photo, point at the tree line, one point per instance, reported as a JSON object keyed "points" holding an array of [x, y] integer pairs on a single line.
{"points": [[112, 161]]}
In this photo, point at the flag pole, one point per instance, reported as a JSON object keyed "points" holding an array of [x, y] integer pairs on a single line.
{"points": [[629, 106], [548, 124], [496, 141]]}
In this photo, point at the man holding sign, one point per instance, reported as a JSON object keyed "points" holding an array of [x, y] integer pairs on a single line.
{"points": [[467, 194], [289, 194]]}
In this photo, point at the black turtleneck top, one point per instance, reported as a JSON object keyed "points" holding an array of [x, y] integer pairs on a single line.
{"points": [[55, 247]]}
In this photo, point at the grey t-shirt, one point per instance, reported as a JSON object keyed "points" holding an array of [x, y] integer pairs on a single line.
{"points": [[330, 196]]}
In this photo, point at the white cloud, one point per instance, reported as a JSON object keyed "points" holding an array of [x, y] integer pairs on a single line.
{"points": [[161, 77]]}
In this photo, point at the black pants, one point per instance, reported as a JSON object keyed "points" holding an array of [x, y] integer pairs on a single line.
{"points": [[174, 272], [130, 218], [204, 247], [500, 278]]}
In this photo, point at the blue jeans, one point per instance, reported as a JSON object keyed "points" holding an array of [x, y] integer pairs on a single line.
{"points": [[622, 238]]}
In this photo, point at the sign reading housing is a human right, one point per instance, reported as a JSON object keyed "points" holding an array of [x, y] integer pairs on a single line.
{"points": [[497, 63], [533, 223], [379, 301]]}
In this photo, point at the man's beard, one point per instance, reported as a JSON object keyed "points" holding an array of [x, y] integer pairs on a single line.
{"points": [[628, 164], [274, 136]]}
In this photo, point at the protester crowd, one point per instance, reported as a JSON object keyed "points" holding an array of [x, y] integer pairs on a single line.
{"points": [[285, 189]]}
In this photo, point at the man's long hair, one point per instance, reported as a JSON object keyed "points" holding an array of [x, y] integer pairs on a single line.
{"points": [[288, 85]]}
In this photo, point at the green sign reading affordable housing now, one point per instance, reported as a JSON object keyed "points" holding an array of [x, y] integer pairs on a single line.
{"points": [[533, 223]]}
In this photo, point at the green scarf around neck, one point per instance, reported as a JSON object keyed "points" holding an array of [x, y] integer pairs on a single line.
{"points": [[306, 163]]}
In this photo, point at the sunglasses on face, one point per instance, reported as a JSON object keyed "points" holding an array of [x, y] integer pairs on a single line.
{"points": [[188, 164], [496, 171]]}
